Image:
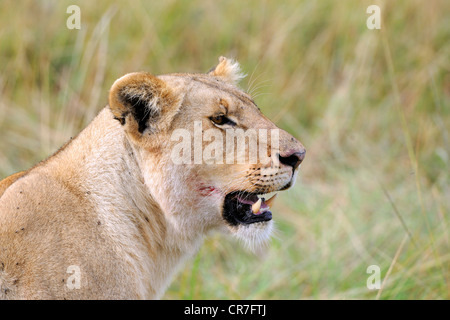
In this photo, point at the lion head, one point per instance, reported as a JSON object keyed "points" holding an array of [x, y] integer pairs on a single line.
{"points": [[208, 155]]}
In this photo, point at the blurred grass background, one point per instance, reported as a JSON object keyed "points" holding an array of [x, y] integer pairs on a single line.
{"points": [[371, 107]]}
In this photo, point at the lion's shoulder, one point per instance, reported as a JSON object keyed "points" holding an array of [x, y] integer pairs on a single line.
{"points": [[8, 181]]}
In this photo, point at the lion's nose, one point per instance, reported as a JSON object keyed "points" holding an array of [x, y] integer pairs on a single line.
{"points": [[293, 158]]}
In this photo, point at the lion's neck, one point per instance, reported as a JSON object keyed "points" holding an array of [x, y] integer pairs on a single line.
{"points": [[109, 174]]}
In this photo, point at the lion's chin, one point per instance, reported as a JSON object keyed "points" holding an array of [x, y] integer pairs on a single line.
{"points": [[248, 218], [254, 237]]}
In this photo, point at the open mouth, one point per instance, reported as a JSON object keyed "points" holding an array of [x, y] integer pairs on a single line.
{"points": [[246, 208]]}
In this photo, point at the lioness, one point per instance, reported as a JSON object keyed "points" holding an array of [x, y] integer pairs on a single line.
{"points": [[112, 216]]}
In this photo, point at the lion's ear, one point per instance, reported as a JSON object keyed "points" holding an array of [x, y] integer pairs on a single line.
{"points": [[228, 70], [137, 99]]}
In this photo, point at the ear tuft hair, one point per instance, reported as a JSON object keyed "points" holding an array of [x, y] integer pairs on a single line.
{"points": [[228, 70]]}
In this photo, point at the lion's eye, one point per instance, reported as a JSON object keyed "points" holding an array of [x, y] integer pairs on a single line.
{"points": [[221, 119]]}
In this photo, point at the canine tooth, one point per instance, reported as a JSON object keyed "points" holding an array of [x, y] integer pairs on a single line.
{"points": [[256, 206], [270, 201]]}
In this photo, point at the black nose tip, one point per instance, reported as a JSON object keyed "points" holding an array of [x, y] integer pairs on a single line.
{"points": [[293, 159]]}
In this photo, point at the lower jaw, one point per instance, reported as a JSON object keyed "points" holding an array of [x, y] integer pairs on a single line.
{"points": [[237, 213], [254, 237], [261, 219]]}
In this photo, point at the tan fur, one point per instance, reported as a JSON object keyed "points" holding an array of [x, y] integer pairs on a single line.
{"points": [[5, 183], [113, 204]]}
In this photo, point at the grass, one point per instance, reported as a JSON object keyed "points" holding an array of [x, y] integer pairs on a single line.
{"points": [[371, 107]]}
